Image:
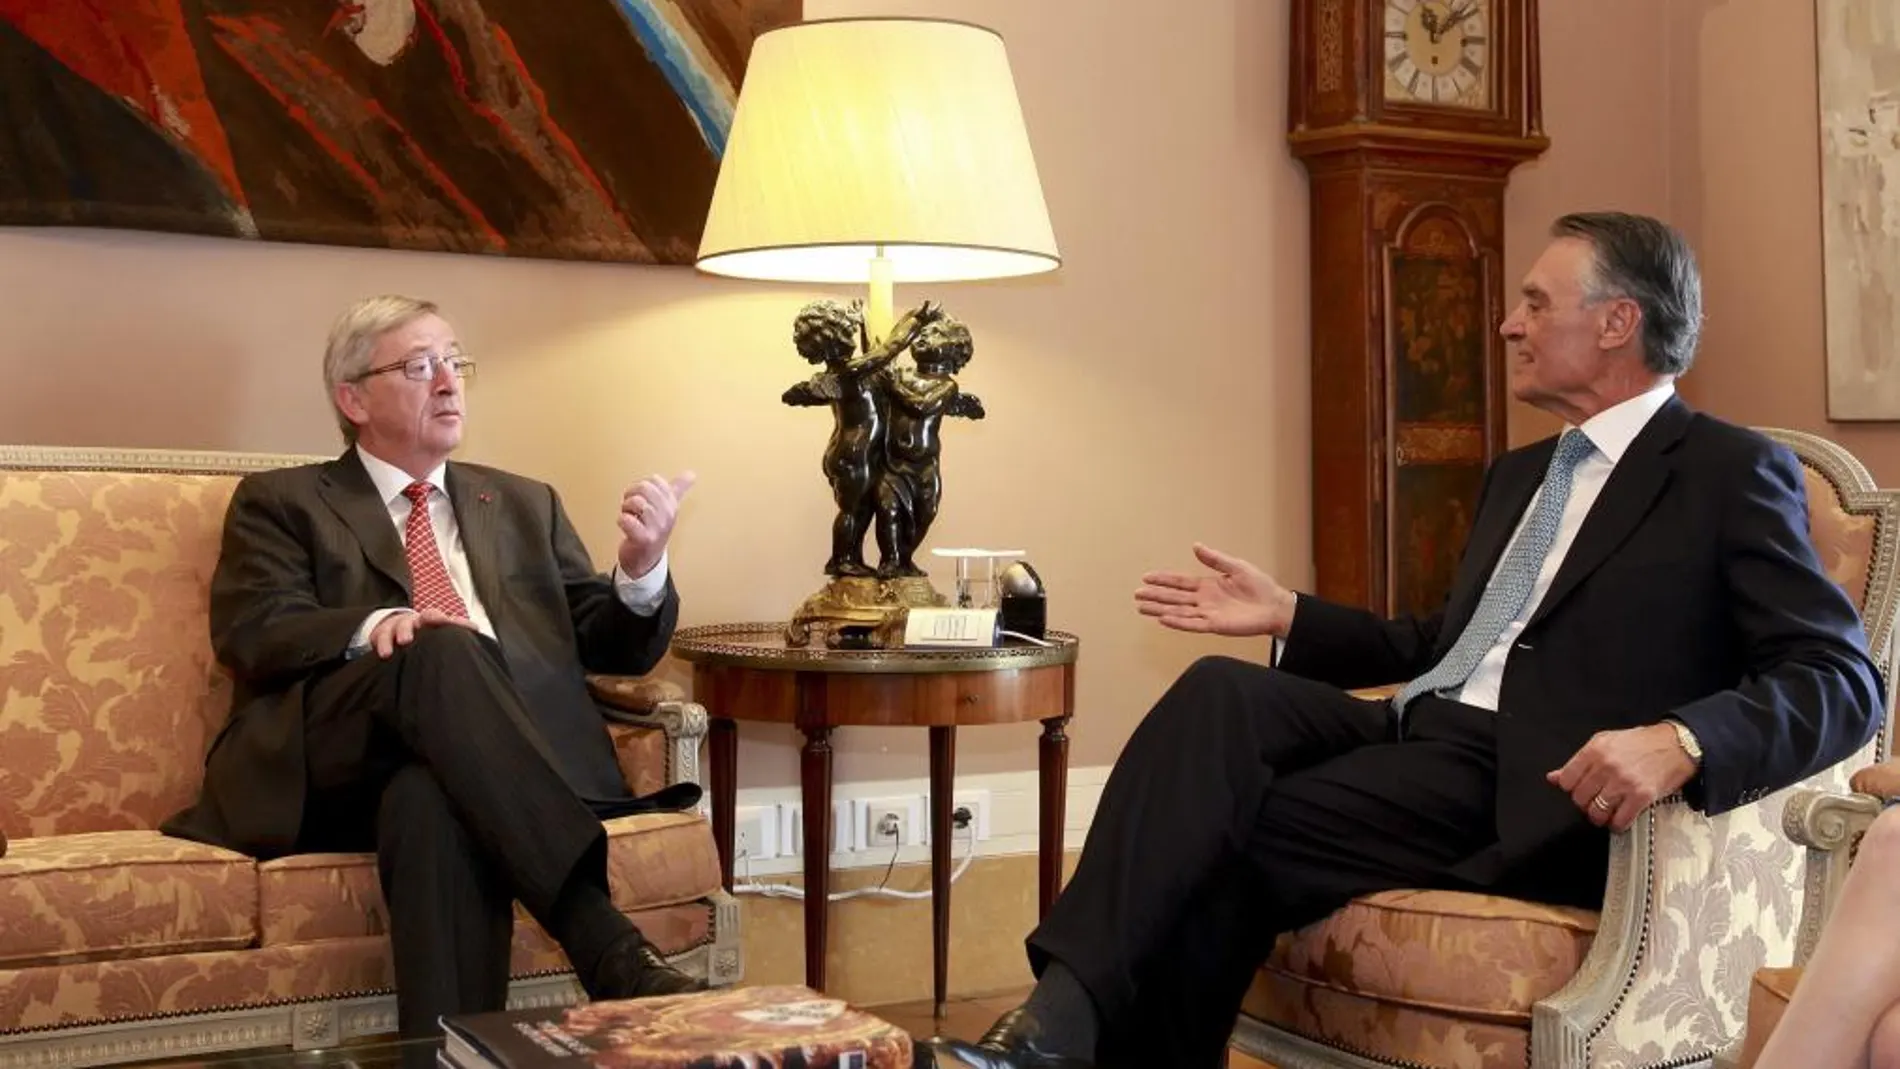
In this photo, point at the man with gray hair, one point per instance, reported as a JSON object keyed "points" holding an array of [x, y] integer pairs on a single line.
{"points": [[409, 639], [1639, 610]]}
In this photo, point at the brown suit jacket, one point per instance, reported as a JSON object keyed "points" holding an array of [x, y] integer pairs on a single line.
{"points": [[308, 552]]}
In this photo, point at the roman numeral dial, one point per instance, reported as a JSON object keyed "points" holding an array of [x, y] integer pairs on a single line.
{"points": [[1438, 52]]}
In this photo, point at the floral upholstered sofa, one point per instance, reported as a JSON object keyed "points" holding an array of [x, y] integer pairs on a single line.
{"points": [[1660, 977], [118, 943]]}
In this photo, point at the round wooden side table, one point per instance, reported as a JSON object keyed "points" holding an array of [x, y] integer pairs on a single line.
{"points": [[747, 672]]}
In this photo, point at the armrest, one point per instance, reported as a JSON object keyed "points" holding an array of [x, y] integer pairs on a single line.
{"points": [[640, 695], [1693, 906], [1830, 826], [642, 704]]}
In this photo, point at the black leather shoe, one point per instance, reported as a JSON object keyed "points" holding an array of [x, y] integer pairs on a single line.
{"points": [[631, 968], [1013, 1042]]}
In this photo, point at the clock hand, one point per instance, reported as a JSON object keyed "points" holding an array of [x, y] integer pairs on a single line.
{"points": [[1450, 22], [1429, 19]]}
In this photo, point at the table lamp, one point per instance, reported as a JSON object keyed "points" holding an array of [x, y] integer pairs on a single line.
{"points": [[875, 151]]}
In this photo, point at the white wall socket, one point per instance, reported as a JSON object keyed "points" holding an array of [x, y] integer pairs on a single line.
{"points": [[755, 832], [978, 803], [873, 815], [792, 829], [855, 823]]}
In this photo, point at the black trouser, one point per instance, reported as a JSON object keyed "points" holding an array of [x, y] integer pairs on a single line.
{"points": [[431, 757], [1250, 802]]}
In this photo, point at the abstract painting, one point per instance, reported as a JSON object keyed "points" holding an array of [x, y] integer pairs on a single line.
{"points": [[570, 129], [1860, 198]]}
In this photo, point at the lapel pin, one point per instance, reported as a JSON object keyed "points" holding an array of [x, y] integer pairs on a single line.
{"points": [[483, 498]]}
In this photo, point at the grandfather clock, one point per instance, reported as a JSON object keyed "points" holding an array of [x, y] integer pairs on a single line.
{"points": [[1409, 115]]}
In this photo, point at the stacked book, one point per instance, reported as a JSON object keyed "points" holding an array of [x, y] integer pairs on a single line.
{"points": [[784, 1027]]}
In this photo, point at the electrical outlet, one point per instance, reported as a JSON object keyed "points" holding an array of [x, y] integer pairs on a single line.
{"points": [[882, 823], [885, 825], [755, 832], [792, 828], [978, 803]]}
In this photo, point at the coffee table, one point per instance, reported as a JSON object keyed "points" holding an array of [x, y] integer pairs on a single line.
{"points": [[380, 1053]]}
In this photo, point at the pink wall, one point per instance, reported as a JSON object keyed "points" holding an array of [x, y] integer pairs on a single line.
{"points": [[1746, 183], [1609, 136], [1150, 393]]}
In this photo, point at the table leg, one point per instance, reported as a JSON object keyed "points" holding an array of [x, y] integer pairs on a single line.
{"points": [[724, 744], [814, 773], [943, 775], [1053, 761]]}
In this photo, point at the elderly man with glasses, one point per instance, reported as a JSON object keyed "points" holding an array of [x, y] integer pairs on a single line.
{"points": [[409, 639]]}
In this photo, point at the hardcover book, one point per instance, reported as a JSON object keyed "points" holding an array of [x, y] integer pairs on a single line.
{"points": [[778, 1027]]}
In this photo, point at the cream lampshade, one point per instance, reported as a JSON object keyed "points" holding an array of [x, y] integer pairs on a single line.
{"points": [[876, 151]]}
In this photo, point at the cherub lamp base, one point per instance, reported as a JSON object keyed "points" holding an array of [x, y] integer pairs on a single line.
{"points": [[861, 611]]}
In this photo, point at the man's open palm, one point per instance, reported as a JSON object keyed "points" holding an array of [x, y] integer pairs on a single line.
{"points": [[1236, 599]]}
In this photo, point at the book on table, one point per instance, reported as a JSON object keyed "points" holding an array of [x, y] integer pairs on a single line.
{"points": [[773, 1027]]}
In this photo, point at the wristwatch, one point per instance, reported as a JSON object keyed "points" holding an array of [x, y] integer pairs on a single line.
{"points": [[1687, 740]]}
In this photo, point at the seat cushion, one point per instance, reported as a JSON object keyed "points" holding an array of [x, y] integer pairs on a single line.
{"points": [[1768, 996], [653, 860], [304, 898], [97, 896], [90, 993], [659, 859], [1434, 978]]}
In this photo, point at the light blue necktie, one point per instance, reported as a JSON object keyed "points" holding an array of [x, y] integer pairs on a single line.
{"points": [[1510, 586]]}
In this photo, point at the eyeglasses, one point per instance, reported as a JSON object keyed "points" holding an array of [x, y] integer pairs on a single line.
{"points": [[423, 367]]}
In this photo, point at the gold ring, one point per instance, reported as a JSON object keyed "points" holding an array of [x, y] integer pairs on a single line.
{"points": [[1601, 803]]}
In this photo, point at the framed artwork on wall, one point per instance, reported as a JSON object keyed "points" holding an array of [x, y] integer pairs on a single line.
{"points": [[566, 129], [1859, 44]]}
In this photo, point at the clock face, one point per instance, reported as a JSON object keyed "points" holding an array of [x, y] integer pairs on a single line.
{"points": [[1438, 52]]}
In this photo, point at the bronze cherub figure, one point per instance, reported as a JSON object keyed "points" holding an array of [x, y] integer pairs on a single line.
{"points": [[831, 335], [882, 460], [910, 486]]}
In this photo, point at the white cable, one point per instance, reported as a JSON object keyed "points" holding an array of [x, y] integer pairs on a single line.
{"points": [[878, 890], [1026, 638]]}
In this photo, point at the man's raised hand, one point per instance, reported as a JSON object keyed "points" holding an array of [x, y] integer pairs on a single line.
{"points": [[1236, 599], [648, 510]]}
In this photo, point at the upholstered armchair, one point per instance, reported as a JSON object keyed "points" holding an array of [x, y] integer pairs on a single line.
{"points": [[1660, 977]]}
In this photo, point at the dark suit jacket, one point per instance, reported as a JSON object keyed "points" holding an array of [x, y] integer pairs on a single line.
{"points": [[308, 552], [1692, 591]]}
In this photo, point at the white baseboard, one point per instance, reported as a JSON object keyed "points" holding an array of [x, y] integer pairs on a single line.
{"points": [[1014, 810]]}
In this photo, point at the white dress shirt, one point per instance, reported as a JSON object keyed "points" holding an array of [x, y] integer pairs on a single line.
{"points": [[1611, 431], [642, 596]]}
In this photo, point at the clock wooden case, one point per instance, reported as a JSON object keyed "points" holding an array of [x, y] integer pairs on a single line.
{"points": [[1409, 116]]}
